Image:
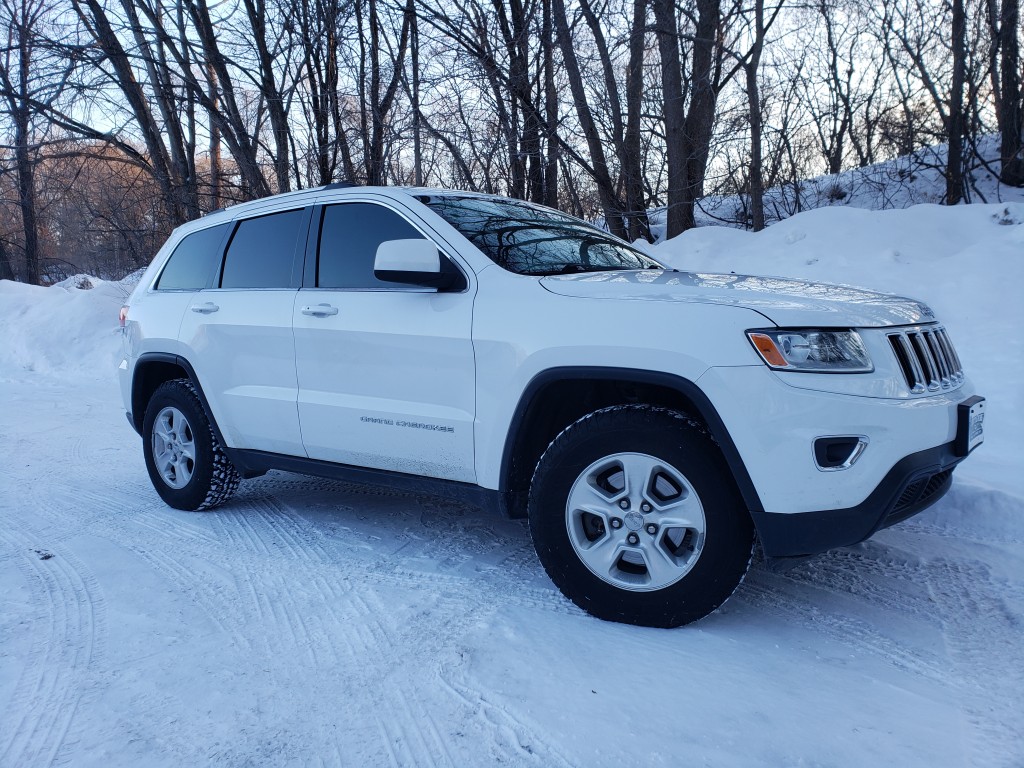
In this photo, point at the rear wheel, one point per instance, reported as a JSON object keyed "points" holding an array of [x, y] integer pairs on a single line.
{"points": [[186, 463], [636, 518]]}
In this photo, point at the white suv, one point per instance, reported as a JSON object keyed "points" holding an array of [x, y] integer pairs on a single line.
{"points": [[648, 421]]}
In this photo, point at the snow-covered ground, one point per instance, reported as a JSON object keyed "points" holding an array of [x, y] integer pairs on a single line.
{"points": [[310, 622]]}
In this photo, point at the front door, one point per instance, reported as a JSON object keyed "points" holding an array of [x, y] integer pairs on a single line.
{"points": [[385, 370]]}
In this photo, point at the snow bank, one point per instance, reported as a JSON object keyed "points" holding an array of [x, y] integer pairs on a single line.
{"points": [[67, 328], [966, 262]]}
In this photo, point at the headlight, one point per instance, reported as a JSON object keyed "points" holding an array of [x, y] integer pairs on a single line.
{"points": [[819, 351]]}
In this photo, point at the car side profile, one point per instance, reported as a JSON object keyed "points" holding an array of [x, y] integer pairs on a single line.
{"points": [[651, 423]]}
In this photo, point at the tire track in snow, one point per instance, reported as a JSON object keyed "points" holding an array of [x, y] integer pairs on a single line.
{"points": [[979, 623], [215, 602], [775, 593], [267, 529], [953, 534], [55, 677], [257, 530], [328, 608], [511, 735], [151, 532], [874, 574], [161, 521], [301, 610]]}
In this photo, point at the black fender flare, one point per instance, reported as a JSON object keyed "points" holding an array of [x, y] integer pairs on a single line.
{"points": [[702, 407], [185, 365]]}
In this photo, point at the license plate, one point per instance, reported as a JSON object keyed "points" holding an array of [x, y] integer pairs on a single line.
{"points": [[970, 431]]}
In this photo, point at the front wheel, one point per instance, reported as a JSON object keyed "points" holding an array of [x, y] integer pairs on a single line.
{"points": [[636, 518], [186, 462]]}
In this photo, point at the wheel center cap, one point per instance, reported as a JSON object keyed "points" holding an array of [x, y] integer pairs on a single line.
{"points": [[633, 520]]}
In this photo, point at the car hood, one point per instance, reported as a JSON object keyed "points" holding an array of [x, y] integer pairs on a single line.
{"points": [[784, 301]]}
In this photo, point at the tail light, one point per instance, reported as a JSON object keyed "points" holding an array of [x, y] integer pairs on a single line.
{"points": [[122, 316]]}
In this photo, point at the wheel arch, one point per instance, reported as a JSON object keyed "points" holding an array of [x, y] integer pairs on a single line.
{"points": [[153, 369], [557, 397]]}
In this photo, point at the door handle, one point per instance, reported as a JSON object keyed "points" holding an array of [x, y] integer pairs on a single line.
{"points": [[206, 308], [320, 310]]}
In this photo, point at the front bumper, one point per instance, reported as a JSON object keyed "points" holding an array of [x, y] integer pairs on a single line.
{"points": [[913, 485], [774, 426], [803, 509]]}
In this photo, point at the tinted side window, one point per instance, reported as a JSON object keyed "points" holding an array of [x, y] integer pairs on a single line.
{"points": [[194, 260], [262, 252], [349, 236]]}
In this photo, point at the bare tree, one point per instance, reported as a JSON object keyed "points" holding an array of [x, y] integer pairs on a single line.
{"points": [[30, 81]]}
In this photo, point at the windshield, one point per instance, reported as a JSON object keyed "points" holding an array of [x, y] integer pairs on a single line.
{"points": [[533, 240]]}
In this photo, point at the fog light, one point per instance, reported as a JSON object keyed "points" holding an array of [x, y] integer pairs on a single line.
{"points": [[841, 452]]}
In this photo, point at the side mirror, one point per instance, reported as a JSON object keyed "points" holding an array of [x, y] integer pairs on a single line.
{"points": [[413, 262]]}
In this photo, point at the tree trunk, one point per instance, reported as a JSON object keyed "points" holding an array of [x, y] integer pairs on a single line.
{"points": [[632, 159], [256, 11], [550, 109], [18, 92], [417, 149], [700, 117], [955, 125], [215, 157], [1011, 109], [6, 270], [754, 103], [675, 117], [380, 103], [27, 195]]}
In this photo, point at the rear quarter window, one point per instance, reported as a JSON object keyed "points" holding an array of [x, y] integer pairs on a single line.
{"points": [[194, 261]]}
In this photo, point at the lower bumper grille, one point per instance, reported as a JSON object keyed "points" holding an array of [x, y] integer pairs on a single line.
{"points": [[919, 494]]}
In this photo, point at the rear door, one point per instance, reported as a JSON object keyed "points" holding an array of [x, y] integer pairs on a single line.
{"points": [[385, 370], [240, 333]]}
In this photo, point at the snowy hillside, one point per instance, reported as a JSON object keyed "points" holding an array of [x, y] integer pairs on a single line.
{"points": [[899, 183], [311, 622]]}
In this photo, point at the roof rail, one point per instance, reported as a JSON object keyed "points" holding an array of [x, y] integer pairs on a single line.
{"points": [[340, 185]]}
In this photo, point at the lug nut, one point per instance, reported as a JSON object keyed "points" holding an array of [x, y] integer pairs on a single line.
{"points": [[645, 507], [624, 504], [652, 529], [616, 523], [633, 538]]}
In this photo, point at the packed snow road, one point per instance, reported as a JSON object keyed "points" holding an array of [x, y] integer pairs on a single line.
{"points": [[311, 622]]}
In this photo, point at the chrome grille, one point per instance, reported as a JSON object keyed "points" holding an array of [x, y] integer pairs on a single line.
{"points": [[927, 359]]}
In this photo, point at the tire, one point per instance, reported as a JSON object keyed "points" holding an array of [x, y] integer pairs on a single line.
{"points": [[186, 463], [606, 557]]}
